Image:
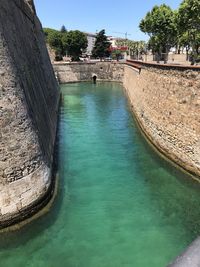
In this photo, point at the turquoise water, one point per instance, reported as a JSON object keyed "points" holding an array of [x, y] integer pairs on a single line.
{"points": [[119, 204]]}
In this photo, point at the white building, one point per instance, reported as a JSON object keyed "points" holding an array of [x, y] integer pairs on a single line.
{"points": [[91, 37], [123, 48], [113, 40]]}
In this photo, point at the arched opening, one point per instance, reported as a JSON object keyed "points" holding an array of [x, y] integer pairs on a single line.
{"points": [[94, 78]]}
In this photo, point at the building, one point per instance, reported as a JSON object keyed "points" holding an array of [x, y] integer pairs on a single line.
{"points": [[113, 40], [91, 37], [122, 48]]}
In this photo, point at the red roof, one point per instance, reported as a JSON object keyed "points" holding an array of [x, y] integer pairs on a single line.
{"points": [[120, 48]]}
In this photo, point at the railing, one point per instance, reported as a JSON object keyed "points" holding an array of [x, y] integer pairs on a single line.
{"points": [[134, 64], [163, 66]]}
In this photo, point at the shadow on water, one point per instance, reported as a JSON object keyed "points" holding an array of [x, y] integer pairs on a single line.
{"points": [[161, 180], [13, 239]]}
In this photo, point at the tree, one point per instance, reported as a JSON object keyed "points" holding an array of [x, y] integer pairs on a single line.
{"points": [[63, 29], [116, 54], [54, 39], [74, 42], [101, 46], [136, 48], [64, 33], [184, 42], [188, 21], [160, 24]]}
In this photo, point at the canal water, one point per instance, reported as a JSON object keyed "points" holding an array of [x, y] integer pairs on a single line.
{"points": [[118, 205]]}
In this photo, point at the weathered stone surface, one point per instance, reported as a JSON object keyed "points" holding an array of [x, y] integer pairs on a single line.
{"points": [[74, 72], [29, 98], [166, 104]]}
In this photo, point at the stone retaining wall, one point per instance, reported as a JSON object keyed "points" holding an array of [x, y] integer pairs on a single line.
{"points": [[74, 72], [166, 103], [29, 98]]}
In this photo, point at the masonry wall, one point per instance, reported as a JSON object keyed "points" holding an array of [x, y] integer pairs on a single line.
{"points": [[166, 102], [74, 72], [29, 98]]}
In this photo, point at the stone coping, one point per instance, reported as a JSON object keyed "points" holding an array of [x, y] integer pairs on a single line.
{"points": [[60, 63], [163, 66]]}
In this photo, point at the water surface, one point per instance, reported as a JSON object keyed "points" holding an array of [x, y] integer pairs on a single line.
{"points": [[119, 204]]}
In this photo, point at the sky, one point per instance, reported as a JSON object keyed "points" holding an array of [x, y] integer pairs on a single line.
{"points": [[116, 17]]}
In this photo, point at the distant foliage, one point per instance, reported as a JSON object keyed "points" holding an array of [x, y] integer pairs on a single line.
{"points": [[116, 54], [188, 24], [168, 28], [135, 48], [63, 29], [160, 25], [65, 42], [75, 43], [54, 39], [101, 46]]}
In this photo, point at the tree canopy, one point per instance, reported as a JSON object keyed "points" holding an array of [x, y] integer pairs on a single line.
{"points": [[189, 15], [188, 23], [160, 24], [54, 39], [168, 28], [63, 41], [135, 48], [101, 46], [63, 29], [75, 43]]}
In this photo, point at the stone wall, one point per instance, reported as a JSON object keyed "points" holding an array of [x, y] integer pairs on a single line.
{"points": [[166, 102], [74, 72], [165, 99], [29, 98], [172, 58]]}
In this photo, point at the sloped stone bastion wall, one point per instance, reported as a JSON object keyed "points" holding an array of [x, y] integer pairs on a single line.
{"points": [[29, 98], [166, 102]]}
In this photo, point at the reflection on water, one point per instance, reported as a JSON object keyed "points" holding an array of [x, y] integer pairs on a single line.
{"points": [[119, 203]]}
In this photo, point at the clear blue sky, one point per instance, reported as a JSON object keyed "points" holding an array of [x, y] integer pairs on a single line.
{"points": [[91, 16]]}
